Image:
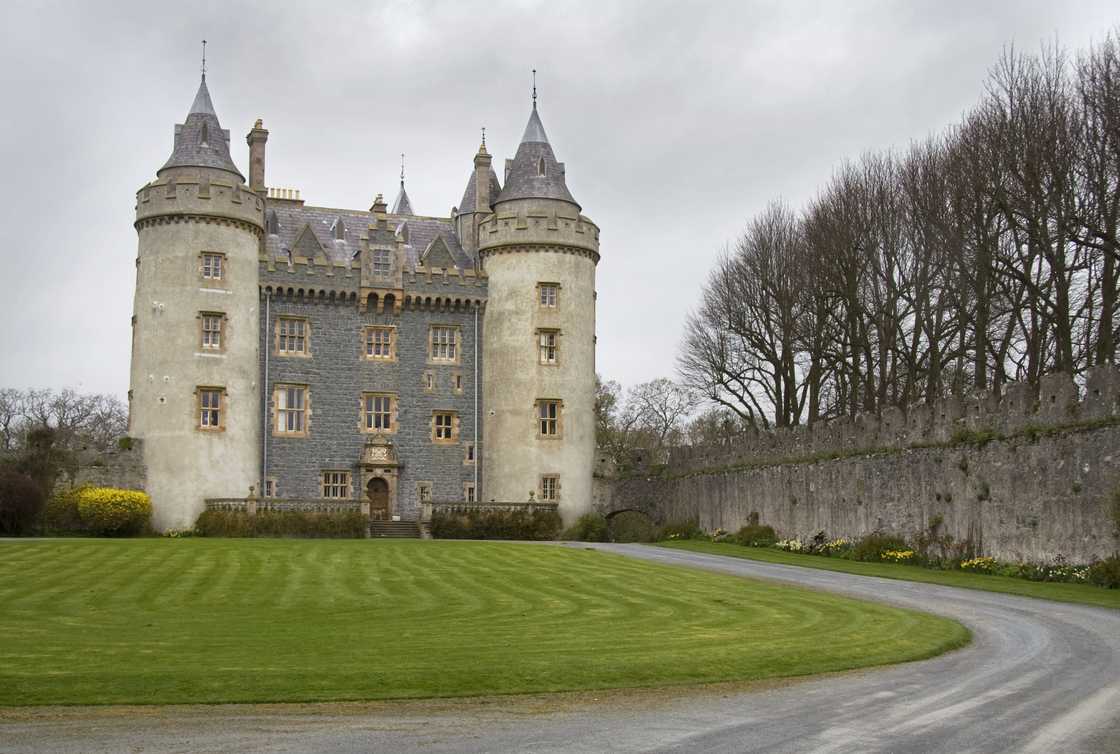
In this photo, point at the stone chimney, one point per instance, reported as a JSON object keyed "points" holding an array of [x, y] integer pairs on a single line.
{"points": [[482, 196], [256, 139]]}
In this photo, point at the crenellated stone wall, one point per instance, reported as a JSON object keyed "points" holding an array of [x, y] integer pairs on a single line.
{"points": [[1023, 475]]}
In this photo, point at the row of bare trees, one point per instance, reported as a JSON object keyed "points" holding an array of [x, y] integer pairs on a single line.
{"points": [[982, 255], [77, 420]]}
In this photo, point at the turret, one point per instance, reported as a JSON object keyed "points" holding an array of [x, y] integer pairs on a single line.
{"points": [[478, 197], [540, 255], [194, 393]]}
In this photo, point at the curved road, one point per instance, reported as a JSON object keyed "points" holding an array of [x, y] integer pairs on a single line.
{"points": [[1039, 677]]}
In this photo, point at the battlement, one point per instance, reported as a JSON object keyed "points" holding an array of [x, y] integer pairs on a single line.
{"points": [[1054, 404], [201, 198], [551, 224]]}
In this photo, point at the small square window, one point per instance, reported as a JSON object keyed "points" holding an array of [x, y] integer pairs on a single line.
{"points": [[379, 344], [293, 336], [424, 492], [336, 485], [549, 295], [443, 426], [213, 266]]}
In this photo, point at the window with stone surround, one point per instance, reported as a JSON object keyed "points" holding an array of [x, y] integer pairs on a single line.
{"points": [[457, 383], [548, 418], [468, 492], [210, 408], [445, 427], [382, 263], [428, 381], [336, 485], [293, 336], [548, 347], [550, 488], [379, 412], [210, 331], [548, 295], [424, 492], [468, 454], [380, 343], [213, 265], [443, 344], [270, 487], [290, 402]]}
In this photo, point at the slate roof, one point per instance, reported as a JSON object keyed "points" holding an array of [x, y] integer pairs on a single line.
{"points": [[467, 203], [289, 220], [402, 206], [523, 173], [200, 141]]}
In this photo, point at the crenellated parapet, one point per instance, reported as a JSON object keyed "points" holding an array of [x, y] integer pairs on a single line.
{"points": [[542, 225], [1019, 409], [199, 198]]}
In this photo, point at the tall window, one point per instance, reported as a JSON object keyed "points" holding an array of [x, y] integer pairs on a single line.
{"points": [[212, 266], [382, 263], [292, 336], [211, 331], [210, 408], [424, 492], [549, 294], [468, 492], [377, 412], [468, 453], [548, 418], [291, 410], [379, 343], [548, 342], [336, 484], [443, 344], [550, 488], [443, 427]]}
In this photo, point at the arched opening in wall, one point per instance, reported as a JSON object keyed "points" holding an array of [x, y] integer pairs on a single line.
{"points": [[390, 302], [371, 302], [377, 490], [631, 526]]}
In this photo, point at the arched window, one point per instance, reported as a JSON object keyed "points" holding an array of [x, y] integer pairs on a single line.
{"points": [[540, 166]]}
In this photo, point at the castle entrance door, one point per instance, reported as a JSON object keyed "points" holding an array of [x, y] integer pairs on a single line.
{"points": [[377, 490]]}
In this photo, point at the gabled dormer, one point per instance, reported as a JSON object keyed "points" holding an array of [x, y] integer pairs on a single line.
{"points": [[437, 255]]}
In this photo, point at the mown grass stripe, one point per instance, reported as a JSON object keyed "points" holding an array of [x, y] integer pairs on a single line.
{"points": [[149, 621]]}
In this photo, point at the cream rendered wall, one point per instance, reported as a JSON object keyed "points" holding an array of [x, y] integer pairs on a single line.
{"points": [[535, 242], [185, 465]]}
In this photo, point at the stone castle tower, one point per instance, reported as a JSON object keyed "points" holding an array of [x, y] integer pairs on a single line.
{"points": [[540, 254], [194, 399], [348, 358]]}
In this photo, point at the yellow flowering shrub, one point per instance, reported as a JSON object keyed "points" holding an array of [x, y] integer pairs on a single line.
{"points": [[114, 512], [897, 556]]}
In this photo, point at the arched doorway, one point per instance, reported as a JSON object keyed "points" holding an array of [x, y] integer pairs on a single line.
{"points": [[377, 490]]}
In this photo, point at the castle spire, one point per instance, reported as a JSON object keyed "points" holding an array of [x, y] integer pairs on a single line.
{"points": [[402, 206], [200, 140], [534, 172]]}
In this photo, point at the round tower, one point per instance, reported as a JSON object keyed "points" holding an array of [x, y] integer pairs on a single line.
{"points": [[193, 397], [539, 253]]}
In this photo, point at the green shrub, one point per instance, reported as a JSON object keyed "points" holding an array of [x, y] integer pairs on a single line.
{"points": [[112, 512], [350, 525], [756, 535], [1106, 572], [590, 527], [61, 514], [631, 526], [535, 525], [871, 547], [681, 530], [21, 503]]}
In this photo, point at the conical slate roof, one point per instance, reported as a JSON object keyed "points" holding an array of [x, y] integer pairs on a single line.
{"points": [[201, 141], [401, 205], [534, 172], [467, 203]]}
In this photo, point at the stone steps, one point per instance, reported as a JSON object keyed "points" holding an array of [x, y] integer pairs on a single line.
{"points": [[394, 529]]}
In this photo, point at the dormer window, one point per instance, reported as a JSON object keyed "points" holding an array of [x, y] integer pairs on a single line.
{"points": [[540, 167], [273, 223], [338, 230]]}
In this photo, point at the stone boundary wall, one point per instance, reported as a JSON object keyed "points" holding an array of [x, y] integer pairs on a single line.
{"points": [[120, 467], [1023, 476]]}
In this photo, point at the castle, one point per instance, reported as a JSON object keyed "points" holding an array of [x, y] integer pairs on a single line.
{"points": [[380, 356]]}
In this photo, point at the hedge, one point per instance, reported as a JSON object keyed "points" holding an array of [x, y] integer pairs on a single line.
{"points": [[113, 512], [538, 525], [351, 525]]}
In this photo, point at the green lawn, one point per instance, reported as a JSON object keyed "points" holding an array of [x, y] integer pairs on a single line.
{"points": [[1082, 594], [194, 620]]}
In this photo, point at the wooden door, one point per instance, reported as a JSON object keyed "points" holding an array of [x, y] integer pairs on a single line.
{"points": [[378, 493]]}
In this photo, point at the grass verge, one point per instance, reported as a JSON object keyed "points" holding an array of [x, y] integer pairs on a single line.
{"points": [[1081, 594], [157, 621]]}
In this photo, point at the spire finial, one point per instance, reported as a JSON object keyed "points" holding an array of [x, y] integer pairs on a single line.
{"points": [[204, 60], [534, 88], [402, 168], [484, 136]]}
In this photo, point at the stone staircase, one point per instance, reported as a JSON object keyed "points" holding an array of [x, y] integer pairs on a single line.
{"points": [[394, 529]]}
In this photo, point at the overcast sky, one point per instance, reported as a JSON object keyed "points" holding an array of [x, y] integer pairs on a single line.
{"points": [[677, 122]]}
